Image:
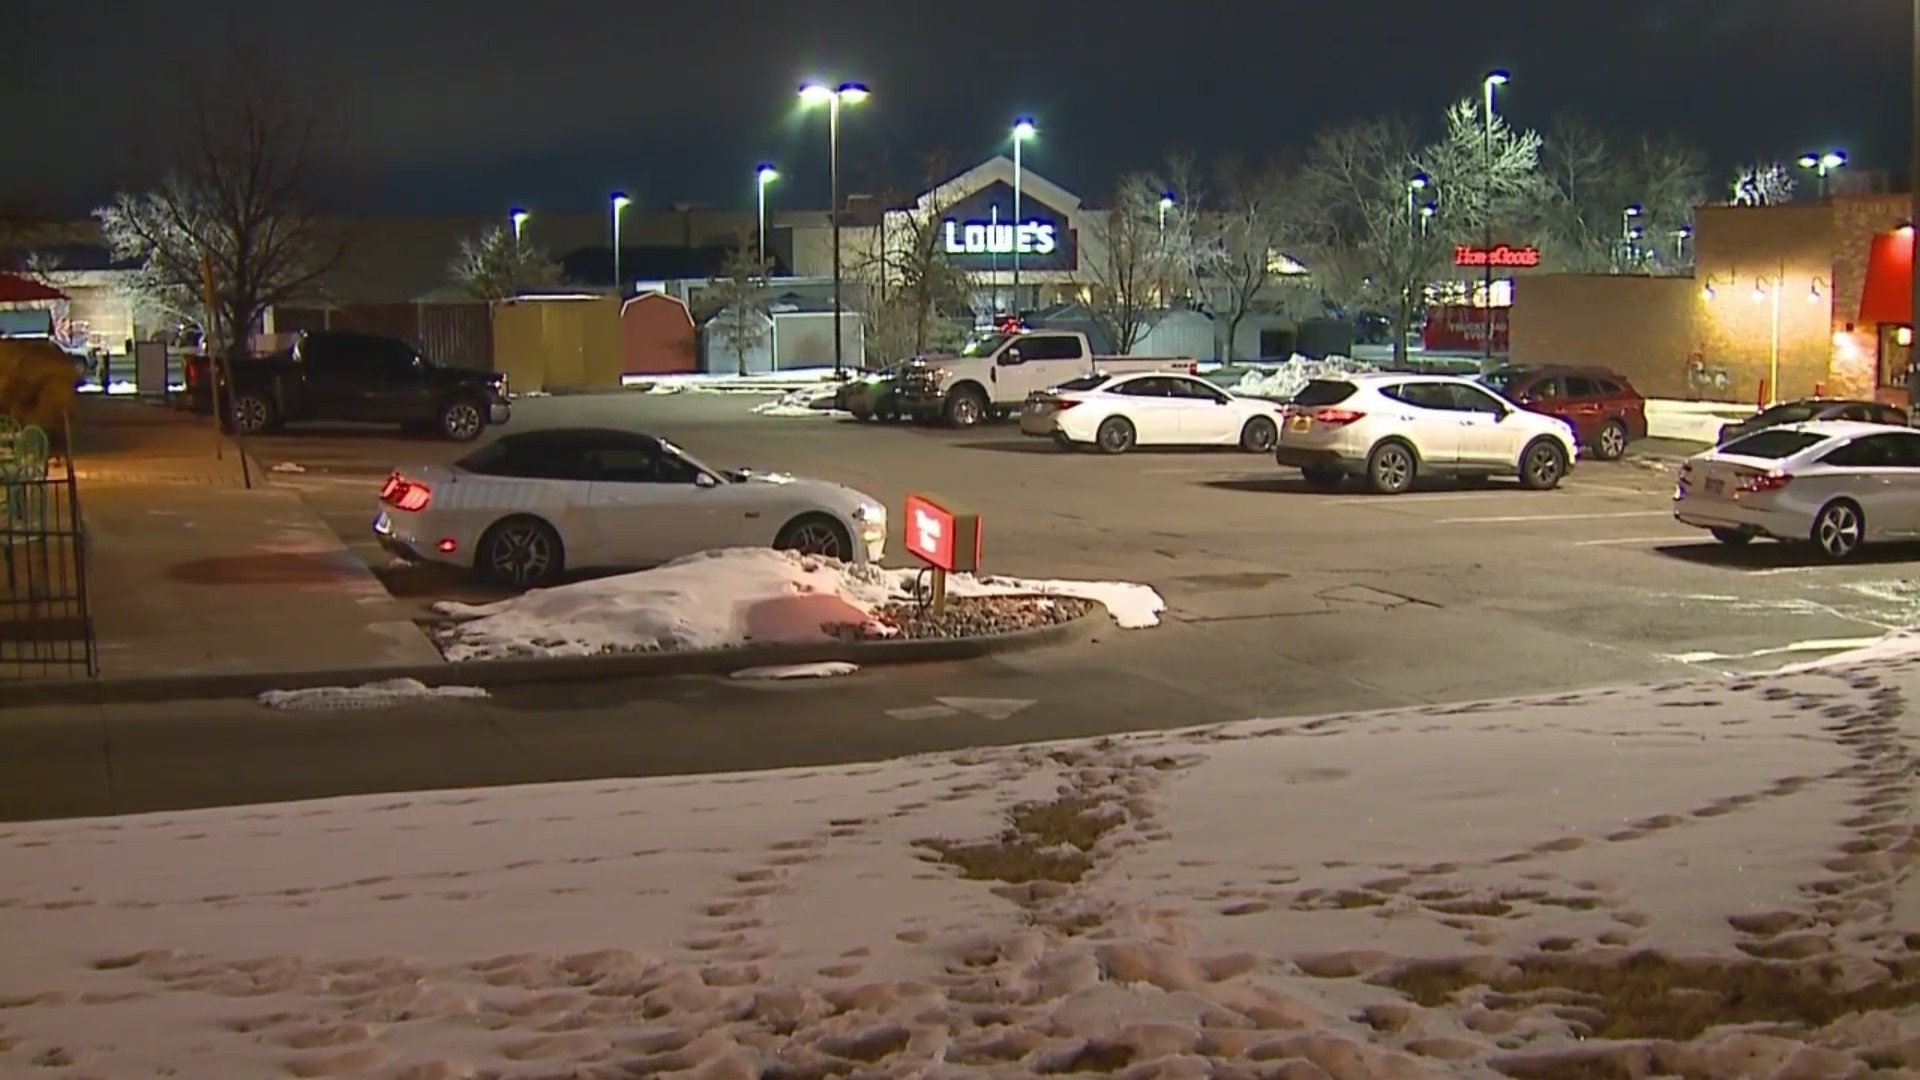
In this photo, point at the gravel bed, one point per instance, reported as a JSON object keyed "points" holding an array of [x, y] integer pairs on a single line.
{"points": [[980, 616]]}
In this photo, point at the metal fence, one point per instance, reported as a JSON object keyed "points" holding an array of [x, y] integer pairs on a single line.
{"points": [[46, 626]]}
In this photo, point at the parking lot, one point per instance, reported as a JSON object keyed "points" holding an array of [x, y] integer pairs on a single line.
{"points": [[1279, 597]]}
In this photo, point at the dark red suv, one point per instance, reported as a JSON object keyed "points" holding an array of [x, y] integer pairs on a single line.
{"points": [[1603, 407]]}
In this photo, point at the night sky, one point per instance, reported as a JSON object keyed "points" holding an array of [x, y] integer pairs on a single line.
{"points": [[468, 107]]}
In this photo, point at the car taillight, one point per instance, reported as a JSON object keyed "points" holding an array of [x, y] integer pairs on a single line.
{"points": [[1761, 484], [1062, 404], [406, 494], [1336, 417]]}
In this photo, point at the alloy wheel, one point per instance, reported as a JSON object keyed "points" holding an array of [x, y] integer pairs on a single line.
{"points": [[461, 421], [1392, 469], [966, 412], [1837, 531], [252, 414], [1613, 441], [1543, 466], [522, 554], [816, 538]]}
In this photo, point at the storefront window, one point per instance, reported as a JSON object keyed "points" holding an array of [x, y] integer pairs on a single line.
{"points": [[1896, 354]]}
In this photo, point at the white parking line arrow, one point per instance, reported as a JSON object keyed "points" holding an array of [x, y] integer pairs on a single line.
{"points": [[987, 708]]}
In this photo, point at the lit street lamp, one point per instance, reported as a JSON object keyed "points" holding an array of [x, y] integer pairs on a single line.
{"points": [[1822, 164], [1414, 187], [1628, 234], [620, 204], [1680, 237], [1166, 204], [1488, 85], [1022, 131], [848, 93], [519, 219], [763, 176]]}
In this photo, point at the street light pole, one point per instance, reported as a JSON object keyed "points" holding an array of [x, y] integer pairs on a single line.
{"points": [[1022, 131], [1493, 79], [1823, 164], [1627, 236], [852, 94], [1166, 204], [519, 219], [763, 176], [620, 204]]}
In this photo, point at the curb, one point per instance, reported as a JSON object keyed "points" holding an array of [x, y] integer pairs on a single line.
{"points": [[528, 671]]}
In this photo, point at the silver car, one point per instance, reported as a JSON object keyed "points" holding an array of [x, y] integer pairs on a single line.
{"points": [[1836, 484]]}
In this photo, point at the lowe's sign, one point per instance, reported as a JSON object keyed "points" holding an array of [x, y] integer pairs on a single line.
{"points": [[990, 237], [979, 233]]}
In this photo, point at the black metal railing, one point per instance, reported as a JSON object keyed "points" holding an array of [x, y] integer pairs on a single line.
{"points": [[46, 626]]}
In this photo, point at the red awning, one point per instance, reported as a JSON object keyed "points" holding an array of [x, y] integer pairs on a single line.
{"points": [[1887, 296], [15, 289]]}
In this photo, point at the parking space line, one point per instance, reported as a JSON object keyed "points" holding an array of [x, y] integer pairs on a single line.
{"points": [[1615, 488], [1503, 519], [1626, 541]]}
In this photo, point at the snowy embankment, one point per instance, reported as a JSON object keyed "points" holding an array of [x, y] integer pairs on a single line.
{"points": [[802, 401], [734, 597], [1697, 880], [1280, 382], [707, 382]]}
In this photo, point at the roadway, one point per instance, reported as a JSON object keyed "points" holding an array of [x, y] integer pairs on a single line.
{"points": [[1281, 601]]}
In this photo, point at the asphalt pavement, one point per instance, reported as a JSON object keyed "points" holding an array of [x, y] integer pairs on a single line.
{"points": [[1281, 602]]}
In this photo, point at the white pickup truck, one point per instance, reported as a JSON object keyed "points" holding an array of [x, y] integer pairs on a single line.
{"points": [[993, 376]]}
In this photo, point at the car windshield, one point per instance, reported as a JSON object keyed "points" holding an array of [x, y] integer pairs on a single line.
{"points": [[1771, 445], [1500, 381], [985, 346], [693, 461]]}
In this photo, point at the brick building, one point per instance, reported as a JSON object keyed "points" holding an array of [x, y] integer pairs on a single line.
{"points": [[1773, 309]]}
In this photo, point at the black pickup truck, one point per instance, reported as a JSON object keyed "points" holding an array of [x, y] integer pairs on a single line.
{"points": [[344, 376]]}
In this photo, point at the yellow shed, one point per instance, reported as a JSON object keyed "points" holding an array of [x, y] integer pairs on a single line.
{"points": [[551, 343]]}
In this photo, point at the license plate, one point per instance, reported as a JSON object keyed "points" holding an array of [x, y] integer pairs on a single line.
{"points": [[1301, 423], [382, 524], [1716, 487]]}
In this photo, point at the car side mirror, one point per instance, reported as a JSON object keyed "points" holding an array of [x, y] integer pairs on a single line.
{"points": [[1011, 356], [705, 480]]}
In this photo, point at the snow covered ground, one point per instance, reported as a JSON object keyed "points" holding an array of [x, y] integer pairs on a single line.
{"points": [[801, 401], [731, 597], [1573, 886], [709, 382]]}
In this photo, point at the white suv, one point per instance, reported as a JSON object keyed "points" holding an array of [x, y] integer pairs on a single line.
{"points": [[1391, 428]]}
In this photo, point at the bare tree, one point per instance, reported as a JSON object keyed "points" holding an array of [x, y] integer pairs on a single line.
{"points": [[1247, 237], [1364, 234], [1126, 263], [1670, 176], [914, 292], [1189, 254], [1607, 207], [1763, 183], [497, 265], [237, 214], [737, 303]]}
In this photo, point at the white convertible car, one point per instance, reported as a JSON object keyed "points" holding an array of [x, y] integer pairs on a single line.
{"points": [[1119, 412], [526, 507]]}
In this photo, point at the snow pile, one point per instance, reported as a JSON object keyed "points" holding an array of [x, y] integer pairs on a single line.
{"points": [[826, 669], [1443, 891], [287, 467], [373, 695], [712, 382], [1282, 381], [736, 596], [801, 401], [708, 600]]}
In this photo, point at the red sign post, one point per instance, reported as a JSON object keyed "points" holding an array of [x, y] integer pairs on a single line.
{"points": [[946, 539]]}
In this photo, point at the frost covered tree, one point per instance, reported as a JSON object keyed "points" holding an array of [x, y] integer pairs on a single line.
{"points": [[1491, 176], [1249, 234], [1589, 180], [237, 212], [1126, 265], [916, 299], [1763, 183], [738, 302], [494, 265], [1362, 230]]}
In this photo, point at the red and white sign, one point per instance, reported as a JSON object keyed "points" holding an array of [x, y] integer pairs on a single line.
{"points": [[942, 538], [1460, 328], [1503, 255]]}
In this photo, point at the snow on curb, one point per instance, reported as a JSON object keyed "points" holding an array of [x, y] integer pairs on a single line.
{"points": [[373, 695], [732, 597], [802, 401]]}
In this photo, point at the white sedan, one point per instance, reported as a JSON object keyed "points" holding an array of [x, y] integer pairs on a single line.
{"points": [[529, 506], [1119, 412], [1837, 484]]}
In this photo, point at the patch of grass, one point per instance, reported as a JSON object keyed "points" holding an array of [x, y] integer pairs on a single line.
{"points": [[1486, 907], [1650, 996], [1044, 841]]}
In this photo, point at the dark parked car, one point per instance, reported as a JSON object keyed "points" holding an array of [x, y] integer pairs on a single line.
{"points": [[1797, 412], [345, 376], [1603, 407], [870, 396]]}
